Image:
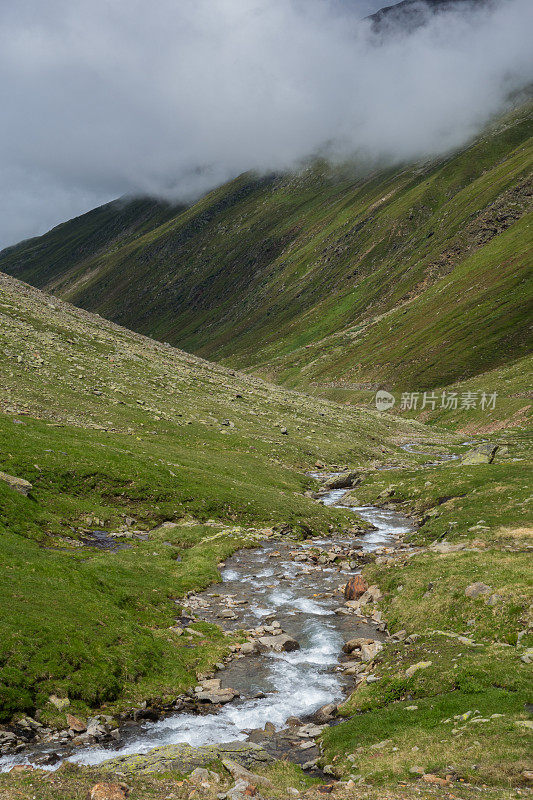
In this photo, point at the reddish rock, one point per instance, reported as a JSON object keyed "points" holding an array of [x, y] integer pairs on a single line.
{"points": [[76, 724], [109, 791], [355, 588], [434, 779]]}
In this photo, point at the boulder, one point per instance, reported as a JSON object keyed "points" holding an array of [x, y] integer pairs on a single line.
{"points": [[18, 484], [217, 696], [325, 713], [355, 588], [372, 595], [183, 758], [344, 481], [108, 791], [239, 772], [356, 644], [76, 724], [248, 648], [484, 454], [96, 729], [280, 643], [370, 651], [210, 684]]}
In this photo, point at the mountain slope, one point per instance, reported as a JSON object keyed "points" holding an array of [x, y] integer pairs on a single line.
{"points": [[118, 434], [401, 277], [83, 237]]}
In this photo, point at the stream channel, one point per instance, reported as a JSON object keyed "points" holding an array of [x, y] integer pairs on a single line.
{"points": [[261, 585]]}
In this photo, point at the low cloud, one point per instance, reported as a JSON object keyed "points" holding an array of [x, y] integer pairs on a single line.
{"points": [[106, 97]]}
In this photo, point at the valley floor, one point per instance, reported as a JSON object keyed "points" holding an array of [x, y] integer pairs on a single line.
{"points": [[172, 464]]}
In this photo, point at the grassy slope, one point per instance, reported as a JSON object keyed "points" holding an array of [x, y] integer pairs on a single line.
{"points": [[511, 383], [327, 276], [487, 509], [107, 424]]}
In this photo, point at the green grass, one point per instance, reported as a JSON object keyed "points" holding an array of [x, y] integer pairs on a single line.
{"points": [[486, 510], [95, 626]]}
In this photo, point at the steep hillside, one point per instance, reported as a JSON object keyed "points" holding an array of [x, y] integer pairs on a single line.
{"points": [[412, 277], [117, 434], [83, 237]]}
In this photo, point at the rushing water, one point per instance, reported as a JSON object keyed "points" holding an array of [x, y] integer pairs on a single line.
{"points": [[273, 686]]}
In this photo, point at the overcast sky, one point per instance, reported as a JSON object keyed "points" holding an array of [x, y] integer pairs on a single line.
{"points": [[104, 97]]}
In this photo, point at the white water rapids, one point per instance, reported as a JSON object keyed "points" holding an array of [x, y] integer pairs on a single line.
{"points": [[297, 683]]}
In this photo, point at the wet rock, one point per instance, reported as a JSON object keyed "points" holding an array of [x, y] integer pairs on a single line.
{"points": [[294, 722], [325, 713], [345, 481], [148, 713], [227, 613], [355, 588], [281, 643], [46, 760], [18, 484], [217, 696], [108, 791], [356, 644], [8, 741]]}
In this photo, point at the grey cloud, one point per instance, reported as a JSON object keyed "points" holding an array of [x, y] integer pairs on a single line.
{"points": [[105, 97]]}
